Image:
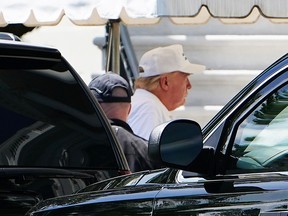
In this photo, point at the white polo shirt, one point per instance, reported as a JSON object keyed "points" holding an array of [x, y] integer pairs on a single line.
{"points": [[147, 112]]}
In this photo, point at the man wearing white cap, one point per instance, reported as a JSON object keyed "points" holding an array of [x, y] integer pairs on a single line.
{"points": [[162, 86]]}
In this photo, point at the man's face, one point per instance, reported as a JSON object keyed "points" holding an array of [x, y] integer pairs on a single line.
{"points": [[179, 85]]}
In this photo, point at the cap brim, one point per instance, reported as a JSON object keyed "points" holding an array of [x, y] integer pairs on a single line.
{"points": [[193, 68]]}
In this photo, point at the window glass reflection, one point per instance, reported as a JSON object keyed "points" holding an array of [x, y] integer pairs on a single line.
{"points": [[262, 139]]}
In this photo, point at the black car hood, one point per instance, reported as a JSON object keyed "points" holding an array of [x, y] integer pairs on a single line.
{"points": [[94, 202], [116, 189], [46, 108]]}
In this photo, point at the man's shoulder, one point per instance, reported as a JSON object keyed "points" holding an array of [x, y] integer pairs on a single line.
{"points": [[120, 131], [130, 143], [143, 95], [122, 124], [147, 101]]}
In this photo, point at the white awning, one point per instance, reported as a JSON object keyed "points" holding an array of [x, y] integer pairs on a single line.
{"points": [[137, 12]]}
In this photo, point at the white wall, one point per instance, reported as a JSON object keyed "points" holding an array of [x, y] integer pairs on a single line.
{"points": [[233, 54]]}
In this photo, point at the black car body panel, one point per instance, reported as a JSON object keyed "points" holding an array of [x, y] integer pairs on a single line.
{"points": [[241, 169], [142, 195], [54, 139], [139, 200]]}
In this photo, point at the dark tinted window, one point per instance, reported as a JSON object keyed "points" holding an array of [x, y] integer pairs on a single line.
{"points": [[38, 144], [47, 120]]}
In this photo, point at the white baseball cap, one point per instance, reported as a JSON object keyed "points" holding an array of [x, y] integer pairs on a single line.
{"points": [[165, 60]]}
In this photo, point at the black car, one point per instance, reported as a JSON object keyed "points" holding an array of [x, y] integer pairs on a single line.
{"points": [[54, 139], [237, 165]]}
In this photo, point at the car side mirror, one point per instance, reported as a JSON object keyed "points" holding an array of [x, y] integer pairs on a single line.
{"points": [[176, 143]]}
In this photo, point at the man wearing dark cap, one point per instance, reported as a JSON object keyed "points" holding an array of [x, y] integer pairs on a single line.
{"points": [[114, 95]]}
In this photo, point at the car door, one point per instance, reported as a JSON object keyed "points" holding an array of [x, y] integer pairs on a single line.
{"points": [[250, 171], [54, 137]]}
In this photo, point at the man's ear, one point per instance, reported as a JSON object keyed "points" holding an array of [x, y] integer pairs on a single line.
{"points": [[129, 108], [163, 82]]}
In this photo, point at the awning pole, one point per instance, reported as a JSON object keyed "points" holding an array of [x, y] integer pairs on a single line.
{"points": [[109, 37], [116, 47]]}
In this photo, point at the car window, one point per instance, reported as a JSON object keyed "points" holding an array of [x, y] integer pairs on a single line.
{"points": [[26, 142], [261, 142], [47, 120]]}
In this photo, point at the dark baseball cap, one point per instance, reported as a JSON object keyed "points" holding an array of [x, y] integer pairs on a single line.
{"points": [[102, 87]]}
